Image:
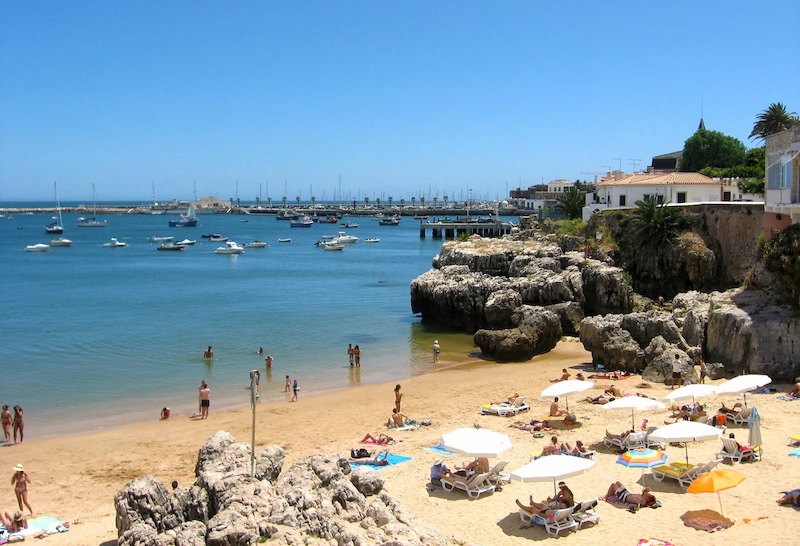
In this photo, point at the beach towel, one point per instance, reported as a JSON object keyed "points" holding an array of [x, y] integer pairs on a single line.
{"points": [[439, 449], [653, 542], [391, 457], [788, 398], [415, 426], [706, 520], [43, 524], [374, 443]]}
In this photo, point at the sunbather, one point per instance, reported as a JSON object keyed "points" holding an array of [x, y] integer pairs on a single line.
{"points": [[602, 399], [731, 412], [795, 392], [510, 400], [742, 447], [379, 460], [613, 391], [479, 466], [532, 426], [551, 448], [397, 419], [791, 498], [579, 376], [466, 480], [381, 440], [536, 508], [555, 411], [577, 449], [16, 523], [619, 493], [563, 499], [618, 436], [564, 376]]}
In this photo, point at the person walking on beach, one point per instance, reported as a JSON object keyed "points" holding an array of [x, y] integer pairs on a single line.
{"points": [[205, 400], [268, 360], [357, 355], [703, 369], [398, 396], [676, 371], [18, 424], [20, 481], [287, 387], [209, 353], [436, 351], [296, 389], [351, 355], [6, 419]]}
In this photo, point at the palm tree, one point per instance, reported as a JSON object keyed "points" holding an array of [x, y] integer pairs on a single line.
{"points": [[298, 200], [284, 201], [366, 202], [390, 201], [653, 225], [313, 202], [571, 202], [413, 200], [378, 202], [422, 201], [402, 202], [435, 201], [773, 120]]}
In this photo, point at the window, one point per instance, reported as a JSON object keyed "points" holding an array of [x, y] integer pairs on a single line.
{"points": [[726, 196], [681, 197], [660, 199], [621, 200]]}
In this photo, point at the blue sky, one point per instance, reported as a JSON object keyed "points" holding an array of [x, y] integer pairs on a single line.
{"points": [[396, 98]]}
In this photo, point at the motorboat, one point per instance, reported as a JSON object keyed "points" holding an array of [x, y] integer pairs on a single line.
{"points": [[392, 221], [60, 241], [170, 246], [420, 217], [41, 247], [329, 220], [285, 240], [185, 220], [345, 239], [210, 235], [333, 246], [255, 244], [349, 224], [218, 239], [372, 240], [285, 215], [114, 243], [54, 228], [186, 242], [161, 239], [230, 248], [303, 221]]}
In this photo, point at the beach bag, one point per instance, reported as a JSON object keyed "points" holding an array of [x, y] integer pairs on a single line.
{"points": [[425, 422], [359, 453]]}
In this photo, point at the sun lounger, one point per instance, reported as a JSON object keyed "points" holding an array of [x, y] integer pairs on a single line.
{"points": [[499, 475], [560, 520], [683, 473], [584, 512], [506, 409], [741, 417], [474, 489], [634, 440], [736, 453], [652, 443]]}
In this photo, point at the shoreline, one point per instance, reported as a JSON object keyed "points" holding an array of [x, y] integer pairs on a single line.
{"points": [[76, 477]]}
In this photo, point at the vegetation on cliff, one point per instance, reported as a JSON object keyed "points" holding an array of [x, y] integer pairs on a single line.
{"points": [[781, 256]]}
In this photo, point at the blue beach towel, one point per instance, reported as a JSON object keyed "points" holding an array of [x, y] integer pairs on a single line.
{"points": [[391, 457], [440, 450]]}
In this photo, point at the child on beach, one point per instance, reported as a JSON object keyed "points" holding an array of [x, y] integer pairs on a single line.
{"points": [[436, 350]]}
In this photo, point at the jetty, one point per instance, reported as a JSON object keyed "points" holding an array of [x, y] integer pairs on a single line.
{"points": [[450, 229]]}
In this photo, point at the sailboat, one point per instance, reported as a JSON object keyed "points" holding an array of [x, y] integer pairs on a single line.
{"points": [[55, 228], [185, 220], [92, 221]]}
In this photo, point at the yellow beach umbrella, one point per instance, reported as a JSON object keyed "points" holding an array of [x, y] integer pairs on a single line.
{"points": [[716, 481]]}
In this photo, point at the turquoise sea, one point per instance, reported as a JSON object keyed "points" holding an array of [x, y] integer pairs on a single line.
{"points": [[98, 337]]}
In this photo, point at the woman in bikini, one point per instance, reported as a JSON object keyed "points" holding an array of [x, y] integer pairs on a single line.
{"points": [[20, 481], [6, 418], [398, 396], [18, 424]]}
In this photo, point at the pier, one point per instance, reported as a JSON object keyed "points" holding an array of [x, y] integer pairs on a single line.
{"points": [[450, 230]]}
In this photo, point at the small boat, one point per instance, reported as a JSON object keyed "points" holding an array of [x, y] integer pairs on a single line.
{"points": [[303, 221], [186, 242], [329, 220], [210, 235], [244, 221], [255, 244], [92, 221], [333, 246], [372, 240], [328, 237], [54, 228], [185, 220], [60, 241], [230, 248], [345, 239], [41, 247], [170, 246], [349, 224], [389, 222], [286, 240], [420, 217], [161, 239], [114, 243], [285, 215], [218, 239]]}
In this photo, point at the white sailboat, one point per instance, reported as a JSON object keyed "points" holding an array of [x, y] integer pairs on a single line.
{"points": [[57, 227], [92, 221]]}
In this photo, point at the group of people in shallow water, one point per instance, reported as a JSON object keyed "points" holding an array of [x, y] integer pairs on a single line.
{"points": [[354, 355], [13, 422]]}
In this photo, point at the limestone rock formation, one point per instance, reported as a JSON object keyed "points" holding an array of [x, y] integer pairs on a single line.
{"points": [[536, 331], [317, 501]]}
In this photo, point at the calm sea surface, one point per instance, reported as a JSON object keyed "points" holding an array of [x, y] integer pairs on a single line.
{"points": [[96, 337]]}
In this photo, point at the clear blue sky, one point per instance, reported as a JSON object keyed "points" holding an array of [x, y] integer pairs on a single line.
{"points": [[398, 98]]}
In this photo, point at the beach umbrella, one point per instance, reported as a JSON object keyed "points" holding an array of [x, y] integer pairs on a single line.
{"points": [[642, 458], [690, 391], [715, 481], [477, 442], [565, 388], [754, 424], [686, 431], [552, 467], [743, 384], [634, 403]]}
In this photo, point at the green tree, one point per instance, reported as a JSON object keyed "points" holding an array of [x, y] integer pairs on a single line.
{"points": [[773, 120], [571, 202], [653, 225], [712, 149]]}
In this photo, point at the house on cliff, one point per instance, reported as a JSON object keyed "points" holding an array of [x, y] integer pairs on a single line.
{"points": [[624, 190], [782, 199]]}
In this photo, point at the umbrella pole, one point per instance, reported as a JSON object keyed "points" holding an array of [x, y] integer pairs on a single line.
{"points": [[686, 447], [633, 422], [720, 504], [744, 395], [555, 491]]}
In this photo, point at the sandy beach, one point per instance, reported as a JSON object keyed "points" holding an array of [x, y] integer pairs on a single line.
{"points": [[75, 478]]}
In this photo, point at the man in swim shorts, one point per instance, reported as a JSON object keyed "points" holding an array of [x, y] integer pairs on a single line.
{"points": [[205, 401]]}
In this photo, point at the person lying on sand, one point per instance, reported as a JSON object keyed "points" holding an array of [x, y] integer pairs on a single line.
{"points": [[613, 391], [790, 498], [602, 399], [381, 440], [620, 494], [533, 426], [379, 460], [16, 523]]}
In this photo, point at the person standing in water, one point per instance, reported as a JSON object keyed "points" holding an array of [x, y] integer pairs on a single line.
{"points": [[296, 389], [208, 353], [268, 360], [351, 355], [6, 418], [287, 387], [436, 350], [357, 354]]}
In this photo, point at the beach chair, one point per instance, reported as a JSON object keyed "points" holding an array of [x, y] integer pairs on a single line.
{"points": [[560, 520], [499, 475], [611, 443], [733, 451], [505, 409], [681, 472], [474, 489], [741, 417], [652, 443], [584, 512], [634, 440]]}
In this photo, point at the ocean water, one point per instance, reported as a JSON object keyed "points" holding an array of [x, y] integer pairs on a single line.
{"points": [[98, 337]]}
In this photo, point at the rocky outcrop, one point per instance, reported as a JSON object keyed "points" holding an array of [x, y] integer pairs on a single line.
{"points": [[536, 331], [317, 501]]}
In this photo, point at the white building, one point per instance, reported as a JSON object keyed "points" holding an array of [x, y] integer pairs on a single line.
{"points": [[782, 189]]}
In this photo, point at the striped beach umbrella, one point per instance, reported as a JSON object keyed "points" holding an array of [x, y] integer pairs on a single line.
{"points": [[642, 458]]}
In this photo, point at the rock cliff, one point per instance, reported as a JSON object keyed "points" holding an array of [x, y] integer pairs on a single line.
{"points": [[317, 501]]}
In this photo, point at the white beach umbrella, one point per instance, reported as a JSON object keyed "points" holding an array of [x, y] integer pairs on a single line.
{"points": [[477, 442], [743, 384], [634, 403], [686, 431], [565, 388], [690, 391], [552, 467]]}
